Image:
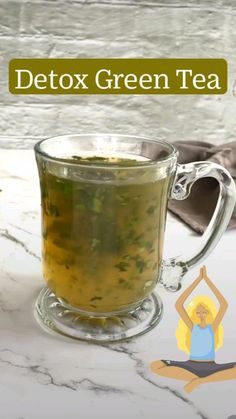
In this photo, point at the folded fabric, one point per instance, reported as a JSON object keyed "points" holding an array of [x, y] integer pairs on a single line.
{"points": [[197, 209]]}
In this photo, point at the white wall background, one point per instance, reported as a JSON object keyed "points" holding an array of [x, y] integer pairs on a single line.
{"points": [[117, 28]]}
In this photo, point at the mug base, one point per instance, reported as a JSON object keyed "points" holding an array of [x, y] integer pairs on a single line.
{"points": [[57, 317]]}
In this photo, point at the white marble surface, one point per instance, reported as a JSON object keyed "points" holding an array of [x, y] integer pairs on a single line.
{"points": [[42, 375]]}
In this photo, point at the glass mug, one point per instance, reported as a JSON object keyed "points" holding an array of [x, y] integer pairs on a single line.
{"points": [[104, 204]]}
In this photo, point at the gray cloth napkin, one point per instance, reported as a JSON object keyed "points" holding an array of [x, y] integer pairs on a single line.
{"points": [[197, 209]]}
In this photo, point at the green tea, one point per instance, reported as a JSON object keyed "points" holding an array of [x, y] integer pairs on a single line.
{"points": [[103, 240]]}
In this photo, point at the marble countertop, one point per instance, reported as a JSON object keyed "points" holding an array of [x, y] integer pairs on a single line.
{"points": [[42, 375]]}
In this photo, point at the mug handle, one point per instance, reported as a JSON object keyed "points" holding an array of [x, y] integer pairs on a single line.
{"points": [[174, 269]]}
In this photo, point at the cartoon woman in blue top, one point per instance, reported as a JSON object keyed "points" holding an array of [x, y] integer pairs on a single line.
{"points": [[199, 334]]}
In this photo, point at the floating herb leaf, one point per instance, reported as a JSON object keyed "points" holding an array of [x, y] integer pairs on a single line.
{"points": [[95, 298], [126, 257], [124, 283], [122, 266], [141, 264], [138, 239], [151, 209]]}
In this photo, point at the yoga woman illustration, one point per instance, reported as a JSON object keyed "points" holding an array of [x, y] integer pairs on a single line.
{"points": [[200, 334]]}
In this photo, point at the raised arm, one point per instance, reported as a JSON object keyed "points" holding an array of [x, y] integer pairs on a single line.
{"points": [[179, 305], [222, 301]]}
